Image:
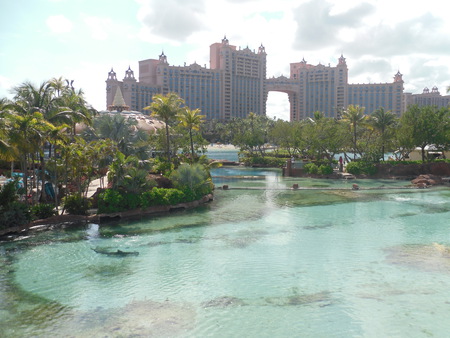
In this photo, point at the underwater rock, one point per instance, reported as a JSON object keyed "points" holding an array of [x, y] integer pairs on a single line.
{"points": [[118, 253], [223, 302], [433, 257], [296, 299], [136, 319]]}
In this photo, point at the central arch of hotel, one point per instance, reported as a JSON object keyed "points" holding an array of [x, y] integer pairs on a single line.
{"points": [[290, 87]]}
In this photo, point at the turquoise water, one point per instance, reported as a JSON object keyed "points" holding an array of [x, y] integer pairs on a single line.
{"points": [[270, 262]]}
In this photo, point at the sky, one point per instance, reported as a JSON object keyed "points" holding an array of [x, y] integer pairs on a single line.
{"points": [[82, 40]]}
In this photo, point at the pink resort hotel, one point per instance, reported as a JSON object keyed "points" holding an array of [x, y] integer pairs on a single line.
{"points": [[236, 84]]}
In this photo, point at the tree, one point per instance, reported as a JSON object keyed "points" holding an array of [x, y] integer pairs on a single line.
{"points": [[252, 133], [354, 116], [288, 135], [73, 109], [166, 108], [26, 135], [425, 126], [383, 121], [325, 137], [192, 120]]}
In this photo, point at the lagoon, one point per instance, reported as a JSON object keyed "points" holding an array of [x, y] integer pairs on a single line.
{"points": [[259, 262]]}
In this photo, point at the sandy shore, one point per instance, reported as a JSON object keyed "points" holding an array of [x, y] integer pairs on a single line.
{"points": [[216, 146]]}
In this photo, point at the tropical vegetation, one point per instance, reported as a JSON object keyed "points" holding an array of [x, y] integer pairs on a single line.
{"points": [[53, 144]]}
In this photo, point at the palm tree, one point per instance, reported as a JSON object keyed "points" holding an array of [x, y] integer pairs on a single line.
{"points": [[26, 136], [191, 119], [166, 108], [74, 109], [382, 120], [354, 116]]}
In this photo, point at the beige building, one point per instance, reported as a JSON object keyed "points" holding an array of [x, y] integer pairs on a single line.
{"points": [[326, 89], [427, 98], [235, 84]]}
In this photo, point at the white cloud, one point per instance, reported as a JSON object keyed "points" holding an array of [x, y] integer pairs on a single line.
{"points": [[59, 24], [378, 37], [99, 27]]}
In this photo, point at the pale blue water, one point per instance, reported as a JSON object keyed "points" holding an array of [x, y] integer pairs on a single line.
{"points": [[272, 262]]}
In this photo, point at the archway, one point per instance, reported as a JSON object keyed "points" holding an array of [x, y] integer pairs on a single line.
{"points": [[277, 105]]}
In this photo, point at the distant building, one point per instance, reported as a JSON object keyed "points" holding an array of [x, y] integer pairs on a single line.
{"points": [[236, 84], [427, 98], [326, 89], [233, 86]]}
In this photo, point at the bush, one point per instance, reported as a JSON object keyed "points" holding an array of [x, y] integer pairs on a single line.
{"points": [[15, 214], [325, 169], [268, 161], [311, 168], [360, 167], [131, 201], [76, 204], [161, 196], [43, 210], [110, 201], [8, 194]]}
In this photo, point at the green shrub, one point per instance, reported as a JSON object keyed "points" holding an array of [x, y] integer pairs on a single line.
{"points": [[43, 210], [269, 161], [131, 201], [311, 168], [161, 196], [325, 169], [15, 214], [76, 204], [110, 201], [360, 167], [8, 194], [174, 196]]}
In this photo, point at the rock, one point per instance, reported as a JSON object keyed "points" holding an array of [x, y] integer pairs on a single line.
{"points": [[427, 180]]}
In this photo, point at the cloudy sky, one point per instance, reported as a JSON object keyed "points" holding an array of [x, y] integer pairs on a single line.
{"points": [[82, 39]]}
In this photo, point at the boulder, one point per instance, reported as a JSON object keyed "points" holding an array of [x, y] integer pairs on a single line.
{"points": [[427, 180]]}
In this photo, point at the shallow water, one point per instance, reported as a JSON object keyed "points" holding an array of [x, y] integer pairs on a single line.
{"points": [[255, 262]]}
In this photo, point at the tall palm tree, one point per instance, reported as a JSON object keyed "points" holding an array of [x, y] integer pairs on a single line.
{"points": [[354, 116], [166, 108], [382, 120], [74, 109], [192, 120], [26, 136]]}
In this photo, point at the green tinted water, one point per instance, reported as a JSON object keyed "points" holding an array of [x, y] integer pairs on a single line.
{"points": [[253, 263]]}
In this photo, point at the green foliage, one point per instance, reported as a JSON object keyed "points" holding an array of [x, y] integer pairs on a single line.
{"points": [[162, 167], [361, 167], [188, 175], [425, 125], [76, 204], [131, 201], [12, 212], [267, 161], [161, 196], [110, 201], [8, 194], [311, 168], [325, 169], [43, 210], [15, 214]]}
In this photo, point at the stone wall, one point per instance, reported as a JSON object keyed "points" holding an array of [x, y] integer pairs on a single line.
{"points": [[412, 170]]}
